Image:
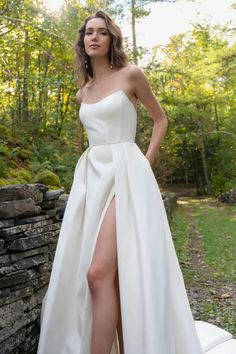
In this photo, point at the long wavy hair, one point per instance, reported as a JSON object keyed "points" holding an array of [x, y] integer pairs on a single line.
{"points": [[116, 50]]}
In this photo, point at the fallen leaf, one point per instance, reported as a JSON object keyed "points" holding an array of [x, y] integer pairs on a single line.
{"points": [[223, 296]]}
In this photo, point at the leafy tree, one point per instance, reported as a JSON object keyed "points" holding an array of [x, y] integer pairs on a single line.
{"points": [[191, 82]]}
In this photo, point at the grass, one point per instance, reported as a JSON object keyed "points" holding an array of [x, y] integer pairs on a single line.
{"points": [[217, 225], [219, 313], [180, 232]]}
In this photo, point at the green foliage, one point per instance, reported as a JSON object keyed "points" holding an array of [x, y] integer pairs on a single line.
{"points": [[37, 80], [4, 131], [4, 150], [56, 157], [3, 182], [17, 180], [218, 182], [20, 173], [195, 84], [3, 169], [20, 153], [193, 76], [229, 186], [47, 177]]}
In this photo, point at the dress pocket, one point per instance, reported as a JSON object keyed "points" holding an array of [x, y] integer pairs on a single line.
{"points": [[147, 159]]}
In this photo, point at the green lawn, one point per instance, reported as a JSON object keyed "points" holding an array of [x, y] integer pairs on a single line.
{"points": [[218, 227], [214, 277]]}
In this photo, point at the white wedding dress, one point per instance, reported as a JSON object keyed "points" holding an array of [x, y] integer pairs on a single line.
{"points": [[156, 315]]}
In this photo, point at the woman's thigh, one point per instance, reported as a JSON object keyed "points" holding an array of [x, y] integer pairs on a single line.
{"points": [[104, 261]]}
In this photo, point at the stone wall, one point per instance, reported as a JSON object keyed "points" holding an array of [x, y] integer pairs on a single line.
{"points": [[228, 197], [30, 220], [170, 201]]}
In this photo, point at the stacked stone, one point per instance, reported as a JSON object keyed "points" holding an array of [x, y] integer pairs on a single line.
{"points": [[228, 197], [30, 221], [169, 200]]}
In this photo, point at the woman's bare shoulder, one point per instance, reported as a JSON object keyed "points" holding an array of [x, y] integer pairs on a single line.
{"points": [[131, 74], [135, 72], [79, 96], [135, 77]]}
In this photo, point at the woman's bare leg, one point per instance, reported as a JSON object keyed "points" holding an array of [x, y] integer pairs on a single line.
{"points": [[119, 324], [102, 283]]}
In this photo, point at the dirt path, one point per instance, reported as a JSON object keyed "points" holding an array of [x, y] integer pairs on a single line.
{"points": [[196, 248], [211, 299]]}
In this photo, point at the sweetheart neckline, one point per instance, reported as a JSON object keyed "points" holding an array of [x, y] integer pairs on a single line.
{"points": [[108, 96]]}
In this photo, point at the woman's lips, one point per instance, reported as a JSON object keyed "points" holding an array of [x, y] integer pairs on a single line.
{"points": [[94, 46]]}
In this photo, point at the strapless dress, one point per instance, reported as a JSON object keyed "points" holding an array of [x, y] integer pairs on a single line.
{"points": [[155, 310]]}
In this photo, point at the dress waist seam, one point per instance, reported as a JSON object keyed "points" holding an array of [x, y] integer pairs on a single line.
{"points": [[119, 142]]}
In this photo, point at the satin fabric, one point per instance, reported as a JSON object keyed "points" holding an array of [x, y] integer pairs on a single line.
{"points": [[156, 315]]}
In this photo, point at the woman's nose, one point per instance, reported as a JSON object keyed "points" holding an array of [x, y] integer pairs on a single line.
{"points": [[94, 35]]}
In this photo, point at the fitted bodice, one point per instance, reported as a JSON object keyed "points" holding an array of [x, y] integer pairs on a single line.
{"points": [[112, 119]]}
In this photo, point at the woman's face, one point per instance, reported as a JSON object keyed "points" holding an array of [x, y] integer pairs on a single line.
{"points": [[97, 38]]}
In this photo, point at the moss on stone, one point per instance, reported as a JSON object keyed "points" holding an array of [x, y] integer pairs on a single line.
{"points": [[3, 182], [47, 177]]}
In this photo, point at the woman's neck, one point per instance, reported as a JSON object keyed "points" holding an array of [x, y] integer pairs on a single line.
{"points": [[101, 69]]}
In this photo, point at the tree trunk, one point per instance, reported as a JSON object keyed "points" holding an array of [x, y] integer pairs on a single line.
{"points": [[217, 123], [63, 114], [204, 165], [25, 98], [18, 95], [134, 32]]}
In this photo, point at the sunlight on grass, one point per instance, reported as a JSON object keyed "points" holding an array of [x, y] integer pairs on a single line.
{"points": [[217, 224], [182, 202], [219, 241]]}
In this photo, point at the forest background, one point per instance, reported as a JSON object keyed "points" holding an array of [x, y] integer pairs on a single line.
{"points": [[193, 76]]}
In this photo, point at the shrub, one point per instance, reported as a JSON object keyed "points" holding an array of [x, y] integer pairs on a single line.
{"points": [[217, 182], [3, 182], [21, 153], [4, 150], [3, 169], [15, 181], [47, 177], [21, 173], [4, 131]]}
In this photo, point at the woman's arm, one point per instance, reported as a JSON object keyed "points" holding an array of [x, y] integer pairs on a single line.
{"points": [[142, 90]]}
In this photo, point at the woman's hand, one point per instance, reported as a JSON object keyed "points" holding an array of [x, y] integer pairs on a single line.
{"points": [[151, 159]]}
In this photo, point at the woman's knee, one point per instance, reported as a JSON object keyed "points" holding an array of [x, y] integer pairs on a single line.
{"points": [[98, 279], [94, 278]]}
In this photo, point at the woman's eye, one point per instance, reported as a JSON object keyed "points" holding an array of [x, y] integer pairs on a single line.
{"points": [[103, 33]]}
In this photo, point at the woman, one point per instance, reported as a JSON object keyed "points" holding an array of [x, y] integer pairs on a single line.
{"points": [[115, 272]]}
